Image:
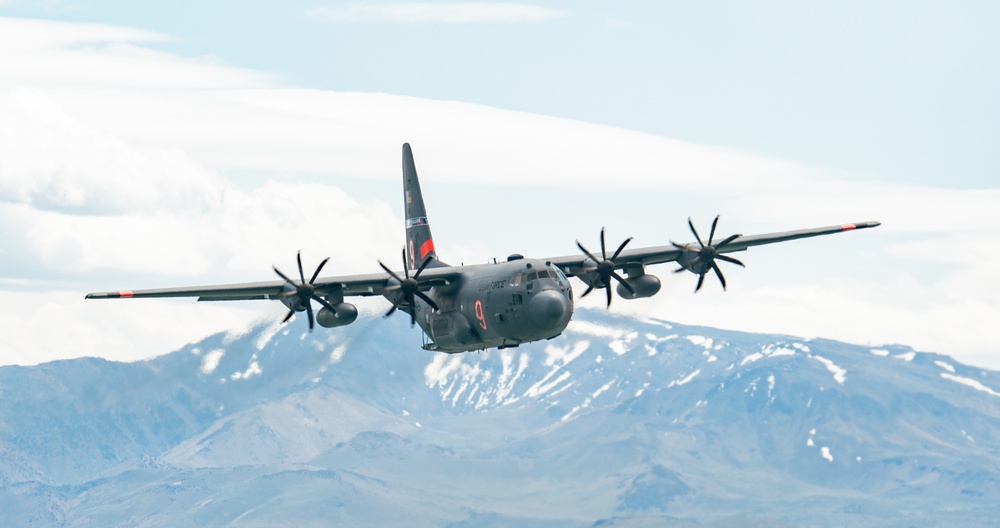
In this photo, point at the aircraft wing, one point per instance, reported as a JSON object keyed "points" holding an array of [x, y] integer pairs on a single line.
{"points": [[349, 285], [573, 265]]}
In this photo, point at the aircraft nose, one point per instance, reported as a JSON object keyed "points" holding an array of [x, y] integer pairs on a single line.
{"points": [[547, 306]]}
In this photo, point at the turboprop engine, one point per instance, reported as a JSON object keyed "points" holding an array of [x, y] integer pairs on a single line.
{"points": [[642, 286], [344, 314]]}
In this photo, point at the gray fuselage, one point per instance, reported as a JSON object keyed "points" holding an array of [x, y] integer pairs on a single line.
{"points": [[497, 306]]}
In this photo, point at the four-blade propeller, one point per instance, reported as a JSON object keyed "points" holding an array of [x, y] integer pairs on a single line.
{"points": [[605, 267], [706, 256], [303, 293], [409, 288]]}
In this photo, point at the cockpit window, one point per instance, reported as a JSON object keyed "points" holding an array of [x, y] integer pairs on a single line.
{"points": [[543, 274], [517, 279], [559, 274], [532, 276]]}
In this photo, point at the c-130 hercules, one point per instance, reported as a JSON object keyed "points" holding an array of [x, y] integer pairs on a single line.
{"points": [[476, 307]]}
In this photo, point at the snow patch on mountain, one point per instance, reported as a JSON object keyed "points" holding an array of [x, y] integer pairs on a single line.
{"points": [[508, 376], [839, 374], [210, 361], [620, 338], [700, 340], [945, 366], [338, 353], [252, 370], [767, 351], [545, 385], [564, 355], [685, 380], [971, 383], [266, 334], [578, 326]]}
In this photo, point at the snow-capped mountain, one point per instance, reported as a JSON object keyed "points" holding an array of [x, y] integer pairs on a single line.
{"points": [[619, 422]]}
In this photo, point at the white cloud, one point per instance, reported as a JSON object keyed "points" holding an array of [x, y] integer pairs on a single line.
{"points": [[55, 162], [112, 174], [99, 58], [445, 12]]}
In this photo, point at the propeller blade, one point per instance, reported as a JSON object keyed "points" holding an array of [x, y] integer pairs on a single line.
{"points": [[730, 259], [302, 275], [585, 252], [718, 273], [406, 268], [680, 269], [695, 231], [282, 275], [413, 318], [318, 269], [623, 282], [287, 317], [728, 239], [621, 247], [309, 312], [324, 303], [605, 269], [390, 272], [391, 310], [604, 254], [427, 299], [706, 258], [423, 265]]}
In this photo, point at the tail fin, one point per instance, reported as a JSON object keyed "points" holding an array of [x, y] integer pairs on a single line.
{"points": [[419, 243]]}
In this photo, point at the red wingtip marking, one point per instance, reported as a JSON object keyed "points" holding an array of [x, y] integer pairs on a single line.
{"points": [[426, 248], [848, 227], [125, 294]]}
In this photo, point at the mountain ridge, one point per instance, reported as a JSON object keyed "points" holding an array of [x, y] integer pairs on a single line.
{"points": [[620, 420]]}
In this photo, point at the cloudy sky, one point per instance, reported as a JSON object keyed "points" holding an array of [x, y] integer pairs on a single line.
{"points": [[190, 143]]}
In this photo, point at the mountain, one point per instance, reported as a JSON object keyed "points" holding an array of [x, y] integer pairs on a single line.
{"points": [[618, 422]]}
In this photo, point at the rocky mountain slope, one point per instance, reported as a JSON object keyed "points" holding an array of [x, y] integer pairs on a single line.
{"points": [[619, 422]]}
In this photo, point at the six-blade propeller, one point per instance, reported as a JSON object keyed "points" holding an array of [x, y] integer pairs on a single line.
{"points": [[706, 256], [605, 267], [409, 288], [303, 293]]}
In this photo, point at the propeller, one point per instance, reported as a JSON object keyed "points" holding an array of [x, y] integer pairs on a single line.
{"points": [[605, 267], [409, 287], [706, 256], [304, 292]]}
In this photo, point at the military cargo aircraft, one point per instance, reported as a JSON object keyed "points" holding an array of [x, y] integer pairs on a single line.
{"points": [[494, 305]]}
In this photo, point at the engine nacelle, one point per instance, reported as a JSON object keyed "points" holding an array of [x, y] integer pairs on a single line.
{"points": [[291, 301], [644, 286], [346, 314]]}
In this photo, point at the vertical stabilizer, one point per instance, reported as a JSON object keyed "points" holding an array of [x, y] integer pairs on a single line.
{"points": [[419, 243]]}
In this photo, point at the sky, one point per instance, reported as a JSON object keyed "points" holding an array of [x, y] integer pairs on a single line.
{"points": [[188, 143]]}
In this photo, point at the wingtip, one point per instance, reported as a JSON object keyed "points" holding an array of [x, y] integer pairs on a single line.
{"points": [[110, 295]]}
